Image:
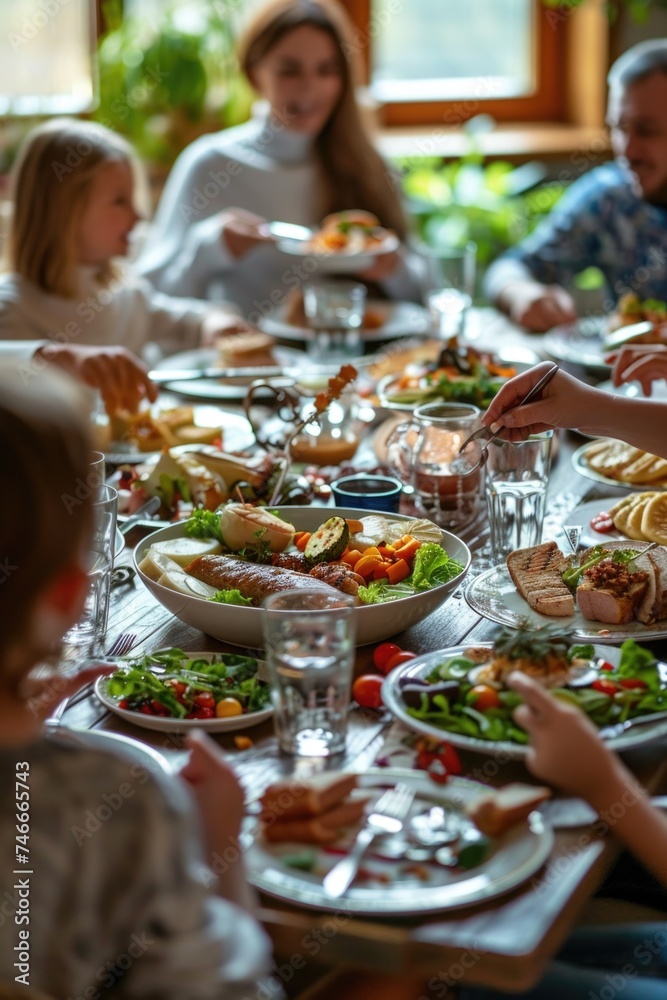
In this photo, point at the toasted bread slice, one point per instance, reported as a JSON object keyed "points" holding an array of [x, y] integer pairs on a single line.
{"points": [[294, 799], [316, 829], [496, 812]]}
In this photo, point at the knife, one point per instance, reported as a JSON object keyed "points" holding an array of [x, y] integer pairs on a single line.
{"points": [[626, 334], [150, 507], [166, 375]]}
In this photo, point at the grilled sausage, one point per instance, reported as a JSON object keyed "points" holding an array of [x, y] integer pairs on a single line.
{"points": [[254, 580]]}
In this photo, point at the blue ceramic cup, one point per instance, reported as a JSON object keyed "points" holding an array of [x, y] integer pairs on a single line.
{"points": [[367, 491]]}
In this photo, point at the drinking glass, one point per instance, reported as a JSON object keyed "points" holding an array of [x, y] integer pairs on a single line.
{"points": [[91, 628], [450, 287], [517, 475], [424, 454], [309, 638], [335, 311]]}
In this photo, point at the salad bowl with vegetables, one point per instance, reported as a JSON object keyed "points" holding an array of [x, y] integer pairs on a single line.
{"points": [[460, 694], [174, 691], [400, 569]]}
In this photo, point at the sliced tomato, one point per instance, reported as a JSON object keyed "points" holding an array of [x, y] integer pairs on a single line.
{"points": [[606, 665], [602, 522], [605, 686], [633, 684], [204, 700]]}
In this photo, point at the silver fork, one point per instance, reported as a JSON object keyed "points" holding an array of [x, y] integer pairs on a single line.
{"points": [[121, 645], [389, 812]]}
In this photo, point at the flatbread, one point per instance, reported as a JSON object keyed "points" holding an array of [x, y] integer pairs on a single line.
{"points": [[654, 519]]}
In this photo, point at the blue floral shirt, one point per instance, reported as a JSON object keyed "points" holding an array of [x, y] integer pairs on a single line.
{"points": [[601, 222]]}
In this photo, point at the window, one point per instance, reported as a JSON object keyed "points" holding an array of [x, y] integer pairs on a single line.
{"points": [[32, 81], [430, 61]]}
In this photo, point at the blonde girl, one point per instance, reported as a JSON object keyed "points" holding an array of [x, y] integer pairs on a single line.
{"points": [[310, 155], [65, 287]]}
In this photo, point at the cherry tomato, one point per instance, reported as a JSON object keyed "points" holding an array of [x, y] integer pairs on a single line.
{"points": [[443, 753], [159, 708], [606, 665], [204, 700], [146, 710], [633, 684], [179, 688], [605, 686], [395, 661], [602, 522], [202, 713], [383, 652], [483, 697], [366, 691]]}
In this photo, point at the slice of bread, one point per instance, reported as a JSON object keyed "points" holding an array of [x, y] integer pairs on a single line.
{"points": [[316, 829], [654, 519], [496, 812], [293, 799]]}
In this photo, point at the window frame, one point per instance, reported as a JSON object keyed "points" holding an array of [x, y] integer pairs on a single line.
{"points": [[551, 101]]}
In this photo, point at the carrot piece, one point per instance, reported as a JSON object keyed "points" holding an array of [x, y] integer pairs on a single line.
{"points": [[351, 557], [409, 550], [243, 742], [398, 571], [386, 551], [301, 540], [381, 571], [354, 526], [372, 550], [366, 565]]}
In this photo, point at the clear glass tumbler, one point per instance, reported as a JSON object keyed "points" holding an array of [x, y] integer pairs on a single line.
{"points": [[517, 476]]}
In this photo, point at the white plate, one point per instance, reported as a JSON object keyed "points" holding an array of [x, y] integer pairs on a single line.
{"points": [[515, 857], [401, 319], [242, 626], [229, 388], [423, 665], [493, 595], [163, 724], [633, 390], [579, 343], [583, 468], [340, 263], [237, 435]]}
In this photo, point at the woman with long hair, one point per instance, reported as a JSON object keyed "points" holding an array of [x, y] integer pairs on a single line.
{"points": [[310, 156]]}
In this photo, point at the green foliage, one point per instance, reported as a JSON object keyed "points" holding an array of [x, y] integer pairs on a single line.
{"points": [[638, 10], [162, 84]]}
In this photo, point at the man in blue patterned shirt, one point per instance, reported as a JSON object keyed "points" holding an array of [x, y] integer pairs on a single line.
{"points": [[613, 218]]}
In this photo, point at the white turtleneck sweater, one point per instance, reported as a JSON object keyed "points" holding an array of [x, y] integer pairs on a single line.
{"points": [[263, 168], [129, 313]]}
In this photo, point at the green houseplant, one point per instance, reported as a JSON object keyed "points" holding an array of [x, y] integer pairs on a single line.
{"points": [[162, 83]]}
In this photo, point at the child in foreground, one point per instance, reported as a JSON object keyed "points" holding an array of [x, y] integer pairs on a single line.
{"points": [[114, 870]]}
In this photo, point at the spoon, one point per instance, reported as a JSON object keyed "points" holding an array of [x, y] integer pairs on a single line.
{"points": [[287, 231]]}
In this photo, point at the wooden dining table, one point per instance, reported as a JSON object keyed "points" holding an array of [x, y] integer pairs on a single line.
{"points": [[505, 942]]}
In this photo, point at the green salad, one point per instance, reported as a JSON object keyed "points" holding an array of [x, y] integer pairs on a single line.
{"points": [[452, 699], [225, 686]]}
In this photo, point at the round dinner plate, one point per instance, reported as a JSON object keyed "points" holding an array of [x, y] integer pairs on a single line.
{"points": [[400, 319], [583, 468], [237, 436], [633, 390], [222, 389], [423, 665], [340, 263], [117, 743], [515, 856], [242, 626], [493, 595], [163, 724], [579, 343]]}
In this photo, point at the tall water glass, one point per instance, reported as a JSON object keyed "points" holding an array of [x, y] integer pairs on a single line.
{"points": [[450, 287], [335, 312], [517, 476], [309, 638]]}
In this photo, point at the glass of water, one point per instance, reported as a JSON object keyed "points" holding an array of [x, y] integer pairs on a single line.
{"points": [[310, 641], [517, 476], [335, 311], [450, 287]]}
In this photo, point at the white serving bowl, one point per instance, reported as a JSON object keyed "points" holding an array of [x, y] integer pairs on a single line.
{"points": [[242, 626]]}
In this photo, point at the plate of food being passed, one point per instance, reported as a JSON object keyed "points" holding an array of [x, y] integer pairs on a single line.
{"points": [[461, 694], [346, 243]]}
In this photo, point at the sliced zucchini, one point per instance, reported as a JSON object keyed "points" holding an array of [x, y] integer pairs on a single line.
{"points": [[329, 541]]}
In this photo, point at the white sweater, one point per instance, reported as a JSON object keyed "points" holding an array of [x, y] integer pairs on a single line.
{"points": [[128, 314], [260, 167]]}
